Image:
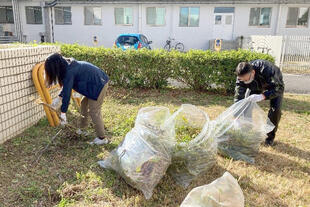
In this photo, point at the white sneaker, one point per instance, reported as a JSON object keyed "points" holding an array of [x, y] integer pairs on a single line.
{"points": [[80, 132], [98, 141]]}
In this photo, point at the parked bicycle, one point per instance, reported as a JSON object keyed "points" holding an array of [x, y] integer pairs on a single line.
{"points": [[172, 44]]}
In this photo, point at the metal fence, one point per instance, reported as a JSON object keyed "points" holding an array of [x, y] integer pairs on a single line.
{"points": [[295, 54], [8, 39], [292, 53]]}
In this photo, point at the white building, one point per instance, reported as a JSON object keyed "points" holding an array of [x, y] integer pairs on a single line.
{"points": [[191, 22]]}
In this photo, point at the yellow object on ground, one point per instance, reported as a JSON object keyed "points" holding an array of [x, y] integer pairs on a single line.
{"points": [[44, 92]]}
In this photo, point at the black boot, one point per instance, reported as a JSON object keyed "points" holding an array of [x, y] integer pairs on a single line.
{"points": [[274, 115], [269, 141]]}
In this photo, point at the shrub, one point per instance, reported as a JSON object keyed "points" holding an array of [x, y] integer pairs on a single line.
{"points": [[200, 70], [205, 70]]}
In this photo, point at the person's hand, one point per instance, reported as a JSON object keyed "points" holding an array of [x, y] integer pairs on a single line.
{"points": [[63, 118], [56, 102], [256, 97], [76, 95]]}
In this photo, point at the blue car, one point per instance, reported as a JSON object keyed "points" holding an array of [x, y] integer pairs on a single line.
{"points": [[132, 41]]}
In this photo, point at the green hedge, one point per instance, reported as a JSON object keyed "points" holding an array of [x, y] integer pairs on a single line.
{"points": [[200, 70]]}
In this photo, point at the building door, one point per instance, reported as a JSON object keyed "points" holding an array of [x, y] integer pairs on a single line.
{"points": [[223, 23]]}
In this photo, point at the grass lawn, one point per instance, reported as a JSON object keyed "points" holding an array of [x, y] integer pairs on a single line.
{"points": [[68, 175]]}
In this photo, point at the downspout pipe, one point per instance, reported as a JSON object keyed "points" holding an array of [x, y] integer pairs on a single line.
{"points": [[50, 5], [17, 21]]}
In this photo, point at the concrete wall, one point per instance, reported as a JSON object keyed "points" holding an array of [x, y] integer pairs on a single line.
{"points": [[192, 37], [242, 17], [283, 30], [158, 34], [31, 30], [17, 109], [106, 33]]}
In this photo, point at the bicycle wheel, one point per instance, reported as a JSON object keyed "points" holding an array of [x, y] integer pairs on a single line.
{"points": [[167, 47], [179, 47]]}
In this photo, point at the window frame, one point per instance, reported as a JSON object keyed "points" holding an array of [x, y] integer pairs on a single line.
{"points": [[188, 17], [260, 12], [6, 16], [231, 20], [63, 10], [297, 26], [132, 16], [215, 21], [34, 7], [93, 23], [156, 25]]}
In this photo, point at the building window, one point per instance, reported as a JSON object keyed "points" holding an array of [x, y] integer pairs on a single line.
{"points": [[63, 15], [297, 17], [6, 15], [223, 19], [218, 19], [189, 17], [260, 17], [228, 19], [34, 15], [92, 15], [155, 16], [123, 16]]}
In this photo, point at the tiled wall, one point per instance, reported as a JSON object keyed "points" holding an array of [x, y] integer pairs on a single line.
{"points": [[17, 108]]}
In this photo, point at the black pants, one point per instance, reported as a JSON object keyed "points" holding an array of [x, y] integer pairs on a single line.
{"points": [[274, 115]]}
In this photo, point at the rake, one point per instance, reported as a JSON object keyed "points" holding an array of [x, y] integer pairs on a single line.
{"points": [[69, 127]]}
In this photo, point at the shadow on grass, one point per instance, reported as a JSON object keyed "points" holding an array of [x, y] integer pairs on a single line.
{"points": [[257, 190], [292, 151], [181, 96], [169, 193], [169, 96], [25, 182], [278, 164], [297, 106], [291, 105]]}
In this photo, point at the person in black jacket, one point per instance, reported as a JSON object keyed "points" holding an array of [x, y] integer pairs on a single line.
{"points": [[84, 78], [265, 82]]}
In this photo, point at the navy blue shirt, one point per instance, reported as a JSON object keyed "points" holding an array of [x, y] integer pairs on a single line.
{"points": [[85, 78]]}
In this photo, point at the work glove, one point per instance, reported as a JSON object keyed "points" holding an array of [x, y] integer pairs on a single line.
{"points": [[256, 98], [76, 95], [63, 118], [56, 102]]}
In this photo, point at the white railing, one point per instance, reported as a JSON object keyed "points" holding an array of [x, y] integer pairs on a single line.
{"points": [[8, 39], [295, 53]]}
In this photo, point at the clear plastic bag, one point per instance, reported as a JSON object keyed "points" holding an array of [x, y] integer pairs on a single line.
{"points": [[144, 155], [240, 130], [197, 154], [223, 192]]}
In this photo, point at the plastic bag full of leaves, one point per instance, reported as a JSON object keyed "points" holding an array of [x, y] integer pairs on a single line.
{"points": [[240, 130], [144, 155], [195, 150], [223, 192]]}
